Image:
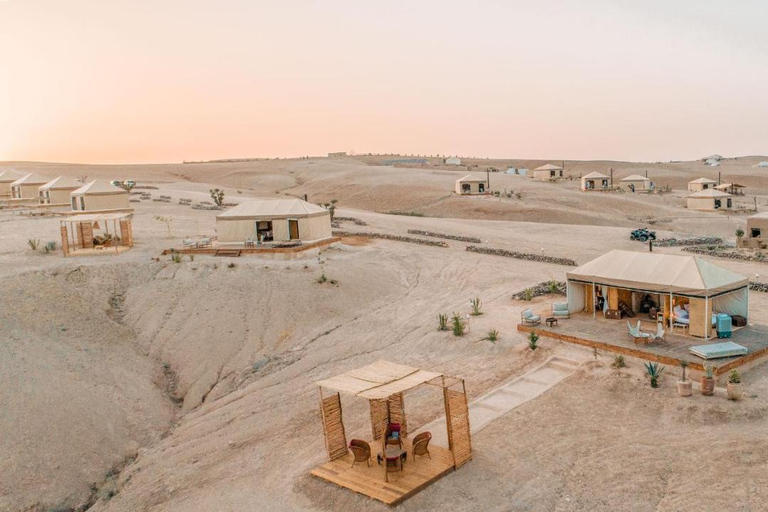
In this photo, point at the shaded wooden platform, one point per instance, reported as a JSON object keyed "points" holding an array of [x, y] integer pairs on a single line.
{"points": [[611, 336], [114, 251], [369, 481]]}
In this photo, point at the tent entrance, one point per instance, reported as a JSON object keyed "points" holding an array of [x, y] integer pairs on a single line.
{"points": [[264, 231], [293, 229]]}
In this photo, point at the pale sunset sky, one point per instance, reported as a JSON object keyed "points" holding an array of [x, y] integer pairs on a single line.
{"points": [[113, 81]]}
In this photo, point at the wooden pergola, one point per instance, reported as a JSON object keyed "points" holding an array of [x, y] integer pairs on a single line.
{"points": [[384, 384], [77, 232]]}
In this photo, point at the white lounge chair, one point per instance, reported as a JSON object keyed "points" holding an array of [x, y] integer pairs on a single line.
{"points": [[660, 333], [528, 318], [636, 334]]}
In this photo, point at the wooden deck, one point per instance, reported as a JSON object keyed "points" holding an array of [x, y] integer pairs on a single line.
{"points": [[611, 336], [261, 249], [369, 481], [114, 251]]}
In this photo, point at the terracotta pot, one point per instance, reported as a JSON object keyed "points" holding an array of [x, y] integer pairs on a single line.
{"points": [[707, 386], [734, 391], [684, 387]]}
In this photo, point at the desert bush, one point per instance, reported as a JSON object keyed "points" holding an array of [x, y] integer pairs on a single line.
{"points": [[528, 294], [176, 257], [554, 286], [739, 233], [231, 265], [458, 325], [33, 244], [442, 322], [533, 340], [654, 371], [218, 196], [734, 377], [492, 335], [476, 304], [191, 257], [618, 361], [322, 279]]}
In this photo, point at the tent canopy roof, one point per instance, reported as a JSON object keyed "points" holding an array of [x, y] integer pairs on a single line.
{"points": [[702, 180], [549, 167], [729, 185], [62, 182], [269, 208], [594, 175], [30, 179], [93, 217], [98, 187], [9, 176], [472, 179], [663, 273], [635, 177], [710, 192], [378, 380]]}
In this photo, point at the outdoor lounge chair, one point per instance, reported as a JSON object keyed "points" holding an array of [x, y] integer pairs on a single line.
{"points": [[528, 318], [660, 333], [421, 445], [636, 334], [361, 451], [189, 244], [560, 310], [204, 242]]}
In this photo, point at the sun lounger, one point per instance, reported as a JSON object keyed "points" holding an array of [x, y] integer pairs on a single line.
{"points": [[718, 350]]}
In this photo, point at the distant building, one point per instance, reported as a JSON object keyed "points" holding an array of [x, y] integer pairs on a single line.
{"points": [[595, 181], [637, 182], [452, 160], [714, 157], [712, 162], [756, 235], [471, 185], [6, 178], [99, 195], [710, 200], [762, 164], [337, 154], [27, 186], [58, 191], [548, 172], [701, 184]]}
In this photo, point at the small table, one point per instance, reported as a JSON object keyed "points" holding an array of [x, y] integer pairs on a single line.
{"points": [[393, 454], [551, 321]]}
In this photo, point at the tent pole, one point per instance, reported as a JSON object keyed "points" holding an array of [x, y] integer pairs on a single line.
{"points": [[707, 318], [747, 315], [594, 301]]}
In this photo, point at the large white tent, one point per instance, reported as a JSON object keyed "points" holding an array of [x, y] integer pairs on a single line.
{"points": [[274, 220], [712, 288]]}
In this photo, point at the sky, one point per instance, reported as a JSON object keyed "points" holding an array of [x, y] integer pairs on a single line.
{"points": [[119, 81]]}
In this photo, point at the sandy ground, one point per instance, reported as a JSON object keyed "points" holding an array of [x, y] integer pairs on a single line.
{"points": [[204, 373]]}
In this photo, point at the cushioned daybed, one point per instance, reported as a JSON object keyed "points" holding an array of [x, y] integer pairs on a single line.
{"points": [[717, 350]]}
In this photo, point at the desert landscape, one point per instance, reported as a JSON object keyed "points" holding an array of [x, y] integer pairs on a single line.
{"points": [[146, 381]]}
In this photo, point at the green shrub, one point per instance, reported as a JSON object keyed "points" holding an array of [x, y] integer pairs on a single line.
{"points": [[492, 335], [231, 265], [321, 279], [458, 325], [734, 377], [618, 361], [739, 233], [528, 294], [191, 257], [442, 322], [533, 340], [33, 244], [554, 287], [476, 304], [654, 371]]}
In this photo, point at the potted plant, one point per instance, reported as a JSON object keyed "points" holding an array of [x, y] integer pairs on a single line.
{"points": [[684, 386], [734, 385], [654, 372], [708, 381]]}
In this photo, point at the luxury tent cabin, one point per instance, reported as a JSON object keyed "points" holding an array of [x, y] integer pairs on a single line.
{"points": [[595, 181], [701, 184], [756, 234], [731, 188], [687, 291], [27, 187], [6, 178], [58, 191], [471, 185], [548, 172], [274, 221], [99, 195], [636, 182], [710, 200]]}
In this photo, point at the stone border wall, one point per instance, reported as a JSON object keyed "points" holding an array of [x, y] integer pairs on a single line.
{"points": [[699, 240], [719, 252], [522, 255], [468, 239], [353, 220], [541, 289], [396, 238]]}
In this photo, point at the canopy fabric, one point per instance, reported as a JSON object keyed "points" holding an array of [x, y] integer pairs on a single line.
{"points": [[726, 186], [594, 175], [30, 179], [549, 167], [62, 182], [635, 177], [663, 273], [378, 380], [702, 180], [269, 208], [93, 217], [98, 187], [9, 176], [710, 192], [472, 179]]}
